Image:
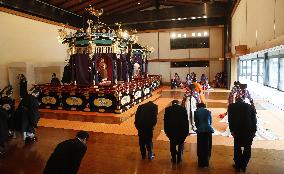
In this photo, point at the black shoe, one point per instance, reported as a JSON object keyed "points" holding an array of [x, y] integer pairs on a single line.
{"points": [[244, 169], [237, 168]]}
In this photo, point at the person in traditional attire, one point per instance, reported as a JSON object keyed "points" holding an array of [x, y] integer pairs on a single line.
{"points": [[198, 88], [23, 85], [242, 123], [145, 121], [176, 127], [54, 80], [28, 115], [190, 100], [176, 82], [204, 82], [67, 156], [203, 123], [188, 80], [66, 78], [4, 130], [8, 103], [103, 70]]}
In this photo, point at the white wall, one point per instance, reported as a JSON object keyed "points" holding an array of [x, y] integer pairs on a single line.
{"points": [[32, 44], [161, 43]]}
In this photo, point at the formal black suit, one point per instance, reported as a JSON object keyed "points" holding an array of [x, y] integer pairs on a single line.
{"points": [[145, 121], [3, 128], [66, 157], [242, 124], [176, 127]]}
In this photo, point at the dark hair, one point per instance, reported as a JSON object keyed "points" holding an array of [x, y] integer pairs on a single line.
{"points": [[194, 80], [82, 135], [243, 86], [236, 83], [175, 102], [201, 105]]}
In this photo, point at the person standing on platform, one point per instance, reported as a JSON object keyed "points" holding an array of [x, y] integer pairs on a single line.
{"points": [[242, 124], [67, 156], [203, 123], [176, 127], [145, 121]]}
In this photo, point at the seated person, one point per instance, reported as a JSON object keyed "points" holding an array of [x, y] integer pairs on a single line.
{"points": [[54, 80], [204, 82], [176, 82], [188, 80]]}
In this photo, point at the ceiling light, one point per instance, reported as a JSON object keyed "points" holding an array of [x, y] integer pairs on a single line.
{"points": [[184, 35], [179, 35], [193, 34], [138, 3], [198, 34], [173, 19], [184, 18], [174, 35], [179, 19], [204, 16], [193, 17], [205, 33], [198, 17]]}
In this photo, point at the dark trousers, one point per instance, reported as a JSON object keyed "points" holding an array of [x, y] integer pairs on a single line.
{"points": [[176, 153], [241, 157], [204, 146], [146, 143]]}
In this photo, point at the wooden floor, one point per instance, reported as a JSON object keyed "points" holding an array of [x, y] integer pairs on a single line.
{"points": [[119, 154]]}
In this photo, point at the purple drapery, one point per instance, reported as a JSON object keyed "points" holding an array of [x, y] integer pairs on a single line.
{"points": [[81, 69]]}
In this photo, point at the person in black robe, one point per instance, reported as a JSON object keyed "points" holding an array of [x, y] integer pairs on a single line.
{"points": [[145, 121], [23, 85], [8, 103], [176, 127], [27, 116], [66, 78], [54, 80], [67, 156], [242, 124], [3, 129]]}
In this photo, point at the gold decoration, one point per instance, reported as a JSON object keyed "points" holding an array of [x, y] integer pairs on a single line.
{"points": [[62, 34], [102, 110], [95, 12], [118, 111], [74, 101], [102, 102], [48, 100]]}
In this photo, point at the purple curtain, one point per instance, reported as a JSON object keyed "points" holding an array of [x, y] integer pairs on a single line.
{"points": [[81, 69]]}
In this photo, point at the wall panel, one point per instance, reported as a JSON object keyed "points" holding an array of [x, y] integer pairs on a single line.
{"points": [[150, 39], [279, 18], [216, 42]]}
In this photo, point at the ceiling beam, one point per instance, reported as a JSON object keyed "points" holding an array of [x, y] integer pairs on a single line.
{"points": [[57, 2], [131, 7], [194, 10], [72, 3]]}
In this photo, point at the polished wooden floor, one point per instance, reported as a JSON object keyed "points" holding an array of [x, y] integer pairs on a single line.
{"points": [[119, 154]]}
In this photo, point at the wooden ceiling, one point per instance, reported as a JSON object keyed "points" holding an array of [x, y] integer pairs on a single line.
{"points": [[111, 7]]}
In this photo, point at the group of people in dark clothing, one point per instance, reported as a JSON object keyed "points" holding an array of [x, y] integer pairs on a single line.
{"points": [[176, 127], [242, 123], [22, 119]]}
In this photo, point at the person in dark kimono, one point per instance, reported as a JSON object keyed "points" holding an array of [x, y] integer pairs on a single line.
{"points": [[54, 80], [8, 103], [66, 78], [203, 123], [29, 115], [176, 127], [67, 156], [242, 124], [145, 121], [3, 129], [23, 85]]}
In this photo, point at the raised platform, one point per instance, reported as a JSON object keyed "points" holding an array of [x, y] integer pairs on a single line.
{"points": [[96, 117], [105, 99]]}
